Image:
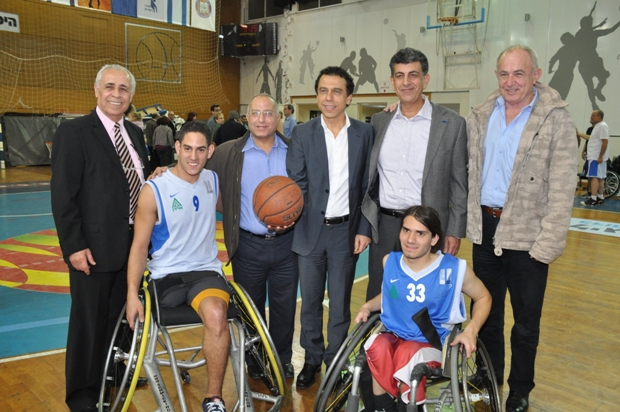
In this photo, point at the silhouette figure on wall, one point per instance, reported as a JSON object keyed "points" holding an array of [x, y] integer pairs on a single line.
{"points": [[349, 65], [582, 48], [401, 40], [590, 63], [566, 57], [278, 80], [367, 66], [306, 61], [266, 72]]}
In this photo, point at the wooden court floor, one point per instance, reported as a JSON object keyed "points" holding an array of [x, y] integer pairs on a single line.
{"points": [[578, 364]]}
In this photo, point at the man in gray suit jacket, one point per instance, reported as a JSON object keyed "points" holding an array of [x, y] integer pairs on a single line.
{"points": [[419, 157], [328, 158]]}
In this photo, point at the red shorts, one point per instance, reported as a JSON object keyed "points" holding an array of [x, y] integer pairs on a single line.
{"points": [[392, 359]]}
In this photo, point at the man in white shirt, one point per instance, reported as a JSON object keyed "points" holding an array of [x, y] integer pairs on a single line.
{"points": [[597, 155], [328, 158], [419, 158]]}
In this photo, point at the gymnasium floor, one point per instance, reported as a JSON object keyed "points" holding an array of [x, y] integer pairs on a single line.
{"points": [[577, 364], [34, 283]]}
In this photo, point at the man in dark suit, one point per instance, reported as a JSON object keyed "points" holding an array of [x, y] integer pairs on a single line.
{"points": [[419, 157], [99, 161], [261, 258], [328, 158], [230, 130]]}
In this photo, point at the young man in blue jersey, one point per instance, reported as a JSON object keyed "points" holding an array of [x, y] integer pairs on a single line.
{"points": [[419, 277], [176, 216]]}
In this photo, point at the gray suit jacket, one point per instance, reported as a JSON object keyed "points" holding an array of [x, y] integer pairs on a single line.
{"points": [[306, 164], [444, 180]]}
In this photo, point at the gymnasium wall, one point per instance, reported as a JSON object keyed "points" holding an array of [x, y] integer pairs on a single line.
{"points": [[312, 40]]}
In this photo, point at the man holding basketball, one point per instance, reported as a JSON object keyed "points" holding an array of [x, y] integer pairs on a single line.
{"points": [[260, 257], [328, 158]]}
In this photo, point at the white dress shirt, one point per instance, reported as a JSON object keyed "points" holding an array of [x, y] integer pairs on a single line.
{"points": [[338, 164], [402, 157]]}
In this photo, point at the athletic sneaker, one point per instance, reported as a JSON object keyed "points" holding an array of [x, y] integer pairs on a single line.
{"points": [[214, 404], [590, 202], [600, 201]]}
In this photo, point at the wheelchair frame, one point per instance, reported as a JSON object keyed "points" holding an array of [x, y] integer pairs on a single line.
{"points": [[471, 380], [131, 350]]}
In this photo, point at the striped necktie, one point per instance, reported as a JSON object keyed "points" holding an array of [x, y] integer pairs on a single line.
{"points": [[130, 171]]}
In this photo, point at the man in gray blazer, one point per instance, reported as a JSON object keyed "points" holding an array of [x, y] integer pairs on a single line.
{"points": [[328, 158], [419, 157]]}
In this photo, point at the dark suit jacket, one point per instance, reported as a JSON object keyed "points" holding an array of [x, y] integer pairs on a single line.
{"points": [[306, 163], [444, 180], [90, 193], [230, 130]]}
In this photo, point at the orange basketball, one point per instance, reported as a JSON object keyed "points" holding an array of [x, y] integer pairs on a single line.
{"points": [[278, 201]]}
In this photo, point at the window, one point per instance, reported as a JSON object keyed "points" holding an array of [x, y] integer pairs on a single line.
{"points": [[314, 4], [260, 9]]}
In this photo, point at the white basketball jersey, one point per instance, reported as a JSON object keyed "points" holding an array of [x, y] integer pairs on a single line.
{"points": [[183, 238]]}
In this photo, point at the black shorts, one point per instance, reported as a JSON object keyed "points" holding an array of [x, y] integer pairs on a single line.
{"points": [[190, 288]]}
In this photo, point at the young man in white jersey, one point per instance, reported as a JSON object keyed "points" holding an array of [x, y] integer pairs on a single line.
{"points": [[176, 215], [419, 277]]}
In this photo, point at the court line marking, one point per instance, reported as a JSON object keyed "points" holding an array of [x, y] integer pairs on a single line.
{"points": [[33, 215], [36, 324]]}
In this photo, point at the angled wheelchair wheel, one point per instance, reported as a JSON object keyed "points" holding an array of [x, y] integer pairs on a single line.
{"points": [[259, 345], [474, 387], [612, 184], [124, 360], [336, 385]]}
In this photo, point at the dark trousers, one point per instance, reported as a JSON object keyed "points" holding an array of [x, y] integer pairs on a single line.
{"points": [[165, 155], [269, 267], [526, 281], [330, 261], [96, 303], [389, 230], [153, 158]]}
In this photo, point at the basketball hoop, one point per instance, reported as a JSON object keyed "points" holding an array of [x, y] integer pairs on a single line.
{"points": [[449, 20]]}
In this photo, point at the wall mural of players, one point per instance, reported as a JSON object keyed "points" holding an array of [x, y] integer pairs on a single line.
{"points": [[277, 79], [266, 72], [306, 61], [367, 66], [581, 48]]}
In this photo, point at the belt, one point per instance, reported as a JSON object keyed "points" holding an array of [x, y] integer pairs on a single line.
{"points": [[392, 212], [496, 212], [336, 220], [268, 236]]}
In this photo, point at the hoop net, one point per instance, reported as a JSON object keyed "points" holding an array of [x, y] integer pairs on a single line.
{"points": [[50, 66], [449, 20]]}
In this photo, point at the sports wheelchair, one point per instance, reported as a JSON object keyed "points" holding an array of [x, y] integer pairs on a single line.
{"points": [[462, 385], [130, 350]]}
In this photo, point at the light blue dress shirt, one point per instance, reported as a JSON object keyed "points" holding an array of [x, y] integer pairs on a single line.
{"points": [[289, 124], [257, 166], [500, 148]]}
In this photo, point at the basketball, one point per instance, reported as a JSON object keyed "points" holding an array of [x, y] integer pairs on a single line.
{"points": [[278, 201]]}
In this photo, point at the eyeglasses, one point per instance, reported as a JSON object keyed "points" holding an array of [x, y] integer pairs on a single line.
{"points": [[257, 113]]}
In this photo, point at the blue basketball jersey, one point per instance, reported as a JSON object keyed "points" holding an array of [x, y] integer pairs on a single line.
{"points": [[183, 238], [437, 287]]}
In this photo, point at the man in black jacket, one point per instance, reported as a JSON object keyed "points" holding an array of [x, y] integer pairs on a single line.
{"points": [[98, 164], [230, 130]]}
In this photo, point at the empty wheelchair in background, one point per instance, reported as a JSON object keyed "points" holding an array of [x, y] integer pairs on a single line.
{"points": [[461, 385], [130, 350]]}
